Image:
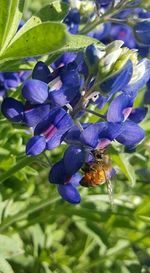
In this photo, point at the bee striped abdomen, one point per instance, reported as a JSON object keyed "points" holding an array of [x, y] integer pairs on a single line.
{"points": [[94, 176]]}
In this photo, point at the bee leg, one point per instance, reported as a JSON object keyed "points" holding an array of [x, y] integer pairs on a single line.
{"points": [[85, 167], [83, 183], [109, 188]]}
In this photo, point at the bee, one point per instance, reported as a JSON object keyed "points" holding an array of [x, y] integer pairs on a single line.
{"points": [[98, 171]]}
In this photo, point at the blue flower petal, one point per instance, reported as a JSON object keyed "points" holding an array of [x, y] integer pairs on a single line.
{"points": [[143, 75], [101, 32], [41, 72], [131, 134], [36, 145], [69, 193], [12, 109], [75, 179], [142, 32], [64, 59], [118, 81], [73, 135], [35, 91], [124, 33], [74, 158], [90, 135], [35, 113], [23, 75], [101, 101], [147, 97], [58, 174], [54, 127], [117, 110], [2, 91], [63, 96], [112, 130], [54, 141], [103, 3], [70, 77], [92, 56], [11, 80], [138, 114], [73, 20]]}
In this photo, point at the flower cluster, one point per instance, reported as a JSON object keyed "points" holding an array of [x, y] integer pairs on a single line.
{"points": [[11, 80], [58, 101]]}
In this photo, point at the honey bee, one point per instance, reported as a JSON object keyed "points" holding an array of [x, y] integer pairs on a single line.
{"points": [[98, 171]]}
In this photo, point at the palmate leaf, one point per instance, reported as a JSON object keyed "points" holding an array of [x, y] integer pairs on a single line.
{"points": [[10, 16], [41, 40], [43, 34], [53, 12], [38, 40]]}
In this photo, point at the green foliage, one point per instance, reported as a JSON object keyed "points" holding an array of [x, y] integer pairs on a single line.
{"points": [[23, 45], [10, 16]]}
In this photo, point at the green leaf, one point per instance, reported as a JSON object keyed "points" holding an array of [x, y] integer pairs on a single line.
{"points": [[74, 43], [17, 65], [78, 43], [18, 166], [5, 267], [93, 230], [122, 160], [10, 246], [55, 11], [36, 41], [10, 16]]}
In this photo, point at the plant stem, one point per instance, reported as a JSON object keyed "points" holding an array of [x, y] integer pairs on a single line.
{"points": [[95, 113], [105, 18]]}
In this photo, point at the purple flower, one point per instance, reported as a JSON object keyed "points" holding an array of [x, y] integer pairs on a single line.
{"points": [[70, 86], [103, 3], [13, 109], [142, 32], [147, 94], [33, 114], [41, 72], [11, 80], [118, 81], [72, 20], [52, 128], [35, 91], [66, 184], [69, 193], [124, 33]]}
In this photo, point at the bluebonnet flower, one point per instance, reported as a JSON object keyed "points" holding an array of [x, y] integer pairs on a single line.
{"points": [[137, 37], [142, 32], [11, 80], [94, 136], [103, 3], [73, 20], [55, 101], [147, 94]]}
